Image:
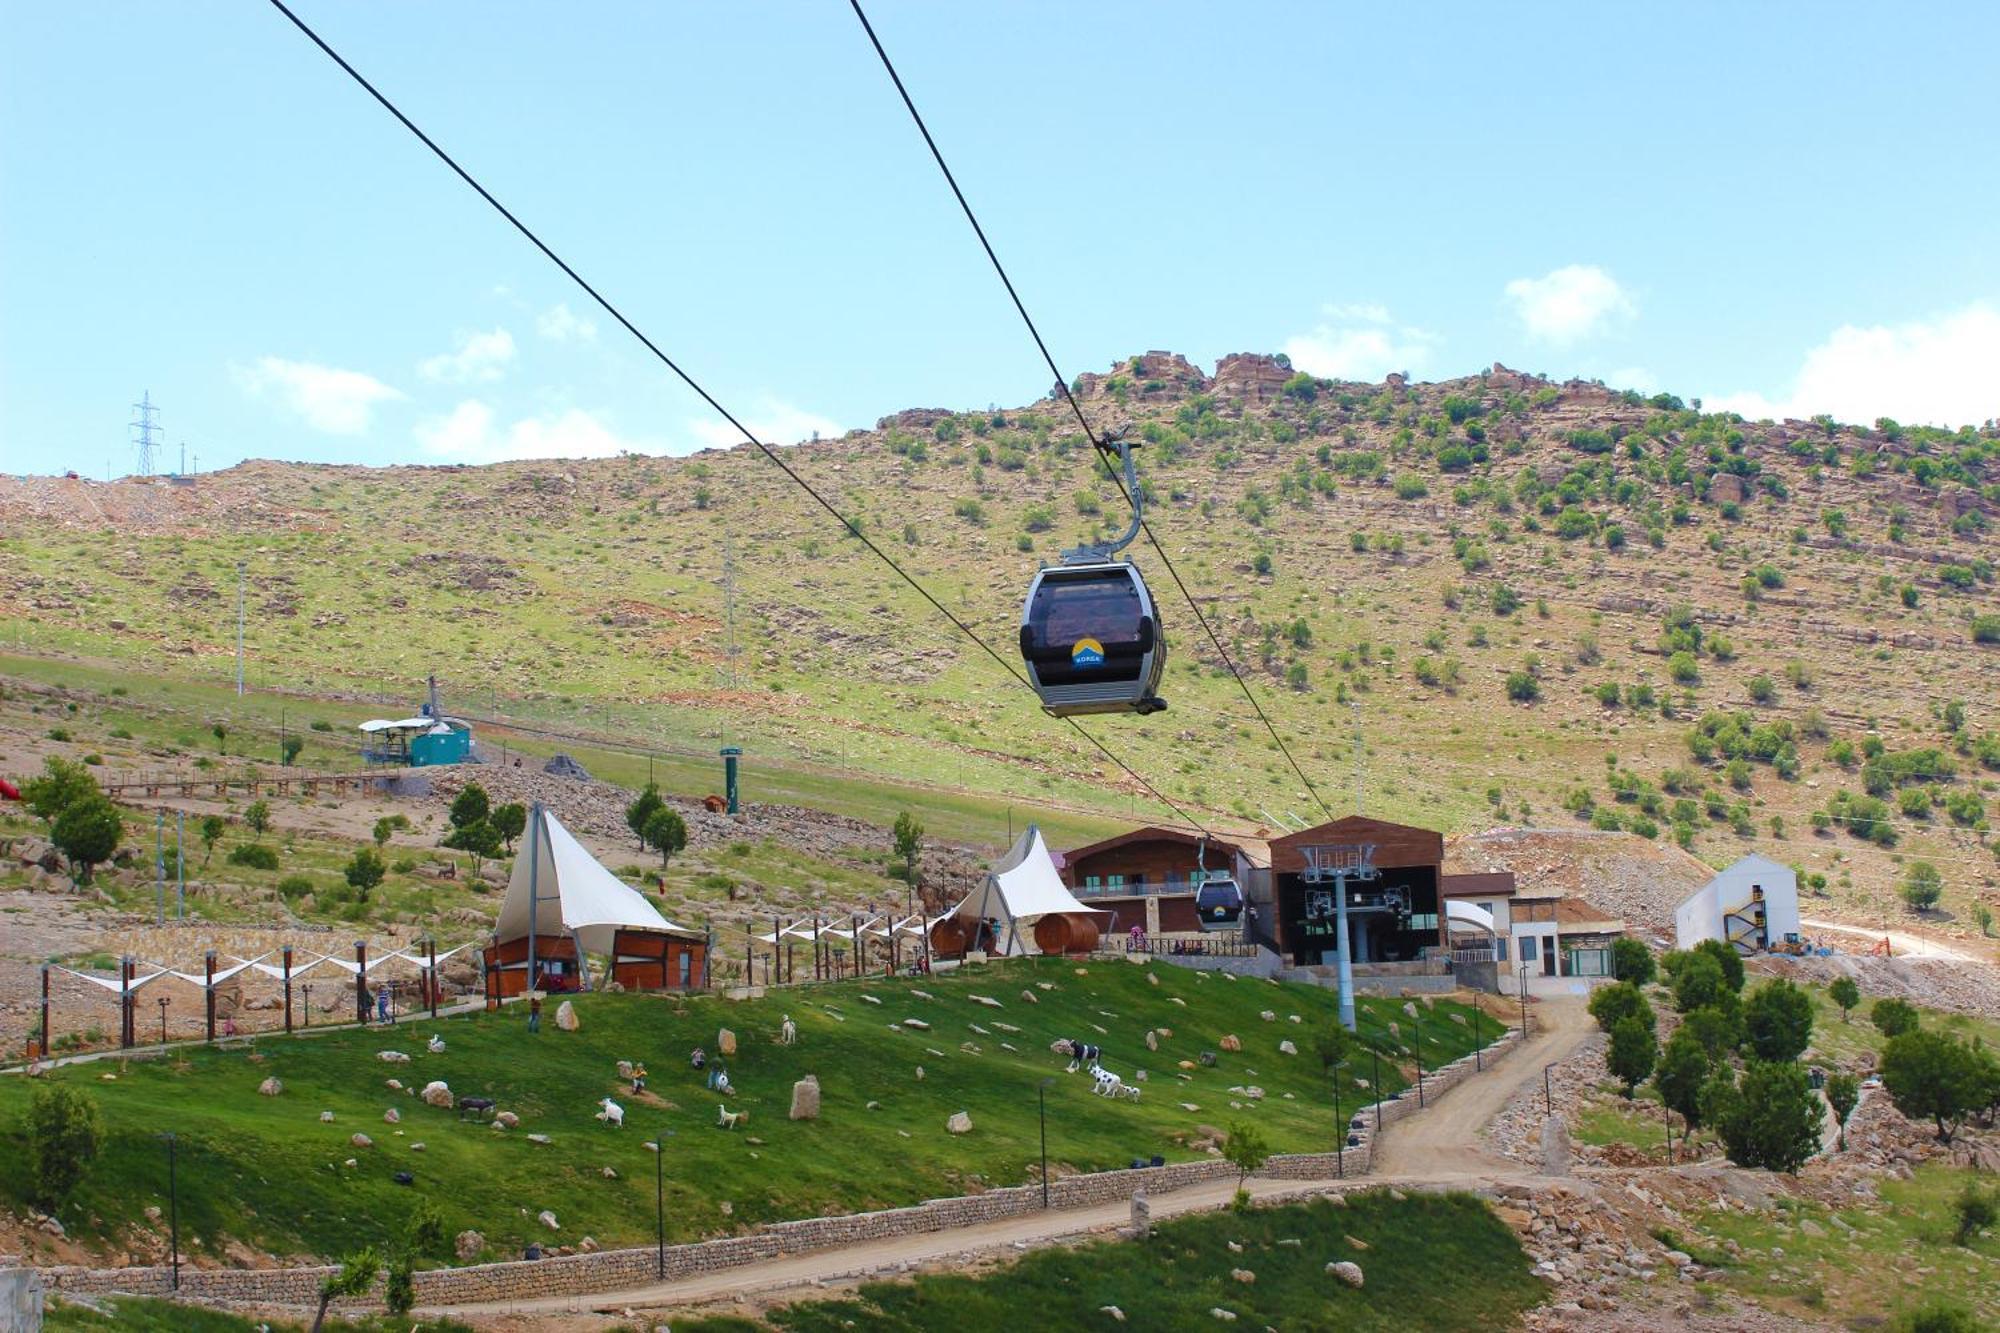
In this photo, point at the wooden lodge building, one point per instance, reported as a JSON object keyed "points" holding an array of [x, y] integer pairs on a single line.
{"points": [[1148, 878]]}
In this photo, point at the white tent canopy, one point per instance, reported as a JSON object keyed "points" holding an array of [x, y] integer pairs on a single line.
{"points": [[1021, 888], [573, 893], [1458, 913]]}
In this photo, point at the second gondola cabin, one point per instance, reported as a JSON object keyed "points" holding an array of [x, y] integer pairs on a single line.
{"points": [[1091, 640]]}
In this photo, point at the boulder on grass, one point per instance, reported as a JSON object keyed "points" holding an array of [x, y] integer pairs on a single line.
{"points": [[1347, 1271], [960, 1123], [362, 1141], [805, 1098], [437, 1094], [468, 1245], [566, 1018], [1231, 1042], [270, 1087], [725, 1042]]}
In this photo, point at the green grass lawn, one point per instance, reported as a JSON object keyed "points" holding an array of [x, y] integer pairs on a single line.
{"points": [[1173, 1279], [1880, 1265], [267, 1171], [136, 1314]]}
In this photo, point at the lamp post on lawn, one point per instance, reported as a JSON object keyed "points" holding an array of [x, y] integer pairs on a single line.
{"points": [[1340, 1128], [1420, 1059], [173, 1204], [1522, 990], [1042, 1113], [163, 1020], [308, 986], [660, 1201]]}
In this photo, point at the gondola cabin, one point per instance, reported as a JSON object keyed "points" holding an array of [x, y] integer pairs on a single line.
{"points": [[1091, 640], [1219, 902]]}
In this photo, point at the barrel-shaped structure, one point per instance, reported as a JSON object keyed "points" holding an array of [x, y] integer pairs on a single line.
{"points": [[1066, 933], [949, 938]]}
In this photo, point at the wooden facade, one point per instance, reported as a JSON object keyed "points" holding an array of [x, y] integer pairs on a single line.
{"points": [[556, 963], [651, 960], [1392, 918]]}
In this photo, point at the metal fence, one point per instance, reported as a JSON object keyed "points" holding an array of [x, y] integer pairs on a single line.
{"points": [[1153, 946]]}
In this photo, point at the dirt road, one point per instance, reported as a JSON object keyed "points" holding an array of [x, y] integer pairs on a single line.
{"points": [[1905, 944], [1442, 1142]]}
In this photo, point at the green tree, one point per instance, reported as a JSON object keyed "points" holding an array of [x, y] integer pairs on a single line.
{"points": [[87, 833], [64, 1131], [258, 816], [509, 821], [1632, 961], [1930, 1076], [1774, 1120], [212, 829], [1893, 1017], [1974, 1210], [364, 870], [1726, 958], [641, 810], [909, 843], [426, 1235], [62, 784], [478, 838], [1335, 1047], [221, 733], [1922, 886], [1846, 993], [288, 749], [470, 806], [1632, 1052], [1620, 1000], [399, 1288], [1683, 1068], [1778, 1020], [354, 1277], [666, 833], [1246, 1149], [387, 826], [1843, 1094], [1718, 1027], [1698, 982]]}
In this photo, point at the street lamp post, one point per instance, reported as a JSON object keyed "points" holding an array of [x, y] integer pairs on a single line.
{"points": [[1340, 1128], [1522, 991], [1420, 1059], [1376, 1056], [1548, 1097], [1042, 1114], [660, 1201], [163, 1020], [309, 1003]]}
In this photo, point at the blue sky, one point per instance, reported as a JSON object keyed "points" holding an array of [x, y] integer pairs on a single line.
{"points": [[1778, 207]]}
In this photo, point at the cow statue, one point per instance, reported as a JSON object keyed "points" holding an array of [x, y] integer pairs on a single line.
{"points": [[611, 1113]]}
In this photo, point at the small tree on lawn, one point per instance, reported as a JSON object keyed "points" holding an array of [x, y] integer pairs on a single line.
{"points": [[353, 1278], [1846, 993], [509, 821], [212, 829], [1698, 982], [1975, 1211], [1893, 1017], [1246, 1149], [1774, 1120], [364, 870], [1683, 1068], [1632, 961], [64, 1130], [909, 841], [288, 749], [1843, 1094], [1931, 1076], [386, 828], [477, 838], [1632, 1052], [258, 816], [470, 806], [666, 833], [221, 733], [640, 812], [1922, 886], [1726, 958], [61, 784], [87, 834], [1778, 1021]]}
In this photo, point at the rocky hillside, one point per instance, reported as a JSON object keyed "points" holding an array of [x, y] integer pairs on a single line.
{"points": [[1550, 603]]}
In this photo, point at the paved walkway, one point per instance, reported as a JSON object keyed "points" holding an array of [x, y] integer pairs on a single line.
{"points": [[1438, 1144], [1903, 942]]}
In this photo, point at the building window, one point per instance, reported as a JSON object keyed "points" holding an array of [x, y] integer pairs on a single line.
{"points": [[1114, 882], [687, 969], [1092, 883], [1500, 947]]}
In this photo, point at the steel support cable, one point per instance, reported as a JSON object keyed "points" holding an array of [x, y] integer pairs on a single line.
{"points": [[704, 395], [1105, 453]]}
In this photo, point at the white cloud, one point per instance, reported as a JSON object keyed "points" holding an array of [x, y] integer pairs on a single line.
{"points": [[332, 400], [1943, 371], [773, 421], [560, 324], [1634, 377], [1572, 302], [1360, 342], [470, 435], [480, 358]]}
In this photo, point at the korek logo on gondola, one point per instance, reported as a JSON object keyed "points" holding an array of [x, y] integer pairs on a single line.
{"points": [[1086, 653]]}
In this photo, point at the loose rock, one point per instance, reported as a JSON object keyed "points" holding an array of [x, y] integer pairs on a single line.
{"points": [[270, 1087], [1347, 1271]]}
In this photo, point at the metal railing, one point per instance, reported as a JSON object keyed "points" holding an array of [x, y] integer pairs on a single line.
{"points": [[1155, 946]]}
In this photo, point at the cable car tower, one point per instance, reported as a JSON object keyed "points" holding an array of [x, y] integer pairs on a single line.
{"points": [[1338, 864]]}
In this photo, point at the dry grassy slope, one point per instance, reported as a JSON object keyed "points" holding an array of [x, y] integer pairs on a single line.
{"points": [[599, 583]]}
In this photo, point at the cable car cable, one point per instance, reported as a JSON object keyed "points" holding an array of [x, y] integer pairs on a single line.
{"points": [[1105, 453], [702, 393]]}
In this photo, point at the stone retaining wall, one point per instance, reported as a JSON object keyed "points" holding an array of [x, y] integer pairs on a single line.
{"points": [[615, 1270]]}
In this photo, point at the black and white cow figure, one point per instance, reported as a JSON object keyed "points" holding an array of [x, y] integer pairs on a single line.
{"points": [[1082, 1054]]}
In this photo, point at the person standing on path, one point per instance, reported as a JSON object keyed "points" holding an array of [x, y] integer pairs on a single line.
{"points": [[534, 1013]]}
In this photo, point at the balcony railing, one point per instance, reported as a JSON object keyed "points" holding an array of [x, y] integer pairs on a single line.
{"points": [[1147, 888]]}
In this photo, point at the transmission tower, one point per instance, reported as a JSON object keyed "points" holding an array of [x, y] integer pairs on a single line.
{"points": [[143, 431]]}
